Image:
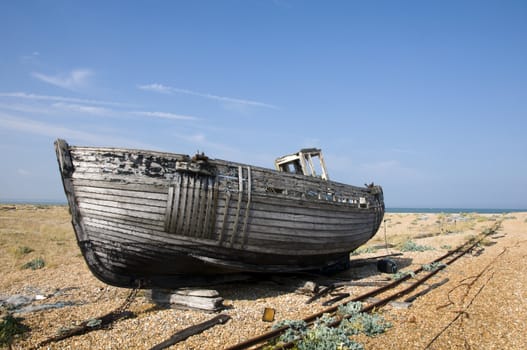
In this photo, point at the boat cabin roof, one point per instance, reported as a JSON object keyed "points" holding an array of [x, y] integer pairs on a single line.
{"points": [[307, 161]]}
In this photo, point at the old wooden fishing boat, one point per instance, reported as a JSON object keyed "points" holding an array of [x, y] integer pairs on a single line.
{"points": [[166, 220]]}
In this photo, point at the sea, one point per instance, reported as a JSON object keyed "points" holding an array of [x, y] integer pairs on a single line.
{"points": [[454, 210]]}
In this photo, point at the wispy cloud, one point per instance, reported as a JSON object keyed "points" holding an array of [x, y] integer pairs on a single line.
{"points": [[28, 96], [85, 109], [165, 115], [35, 127], [26, 108], [44, 129], [43, 104], [75, 79], [156, 88], [160, 88]]}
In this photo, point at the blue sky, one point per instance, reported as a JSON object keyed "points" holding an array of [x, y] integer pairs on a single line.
{"points": [[426, 98]]}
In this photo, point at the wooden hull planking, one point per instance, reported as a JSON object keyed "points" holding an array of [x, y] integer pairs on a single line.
{"points": [[165, 220]]}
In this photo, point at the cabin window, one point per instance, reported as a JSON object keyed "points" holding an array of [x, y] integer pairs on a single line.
{"points": [[363, 203], [308, 161], [293, 167]]}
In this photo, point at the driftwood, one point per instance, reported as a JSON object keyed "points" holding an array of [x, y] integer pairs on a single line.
{"points": [[190, 331], [88, 326], [323, 291]]}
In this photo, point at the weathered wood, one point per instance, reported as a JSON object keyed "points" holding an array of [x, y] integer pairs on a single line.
{"points": [[139, 214], [139, 206], [234, 231], [200, 299], [124, 195], [223, 226], [208, 293], [321, 292], [190, 331], [195, 302], [86, 327], [123, 186]]}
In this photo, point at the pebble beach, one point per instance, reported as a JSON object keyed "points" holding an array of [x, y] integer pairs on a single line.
{"points": [[483, 304]]}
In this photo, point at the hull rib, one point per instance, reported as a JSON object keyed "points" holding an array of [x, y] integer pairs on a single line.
{"points": [[225, 216], [247, 208], [238, 205]]}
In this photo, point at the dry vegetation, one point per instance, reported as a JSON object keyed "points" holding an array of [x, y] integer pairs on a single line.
{"points": [[485, 291], [30, 232]]}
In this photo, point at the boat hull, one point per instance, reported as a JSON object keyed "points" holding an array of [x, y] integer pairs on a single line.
{"points": [[167, 220]]}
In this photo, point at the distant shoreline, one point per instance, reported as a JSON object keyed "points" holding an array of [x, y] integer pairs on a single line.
{"points": [[388, 209], [32, 202]]}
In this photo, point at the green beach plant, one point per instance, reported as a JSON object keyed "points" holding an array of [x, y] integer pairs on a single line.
{"points": [[402, 274], [295, 330], [433, 266], [34, 264], [10, 327], [349, 309], [364, 250], [369, 324], [327, 338], [324, 337], [411, 246]]}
